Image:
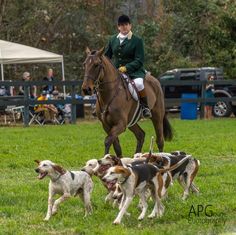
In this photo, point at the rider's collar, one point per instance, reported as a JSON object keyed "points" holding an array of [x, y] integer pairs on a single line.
{"points": [[128, 35]]}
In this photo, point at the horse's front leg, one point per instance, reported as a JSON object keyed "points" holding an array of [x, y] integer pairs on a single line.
{"points": [[117, 147], [112, 138]]}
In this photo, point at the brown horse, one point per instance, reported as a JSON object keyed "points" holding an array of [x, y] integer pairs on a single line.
{"points": [[115, 107]]}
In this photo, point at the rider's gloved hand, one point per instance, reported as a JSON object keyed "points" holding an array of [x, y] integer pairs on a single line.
{"points": [[122, 69]]}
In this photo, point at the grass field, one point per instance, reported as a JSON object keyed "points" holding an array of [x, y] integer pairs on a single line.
{"points": [[23, 198]]}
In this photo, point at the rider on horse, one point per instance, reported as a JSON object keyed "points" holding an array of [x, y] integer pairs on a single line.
{"points": [[128, 53]]}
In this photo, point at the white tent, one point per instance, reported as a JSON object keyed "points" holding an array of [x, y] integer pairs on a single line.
{"points": [[14, 53]]}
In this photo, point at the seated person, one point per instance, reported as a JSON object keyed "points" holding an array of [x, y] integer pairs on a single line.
{"points": [[55, 96], [32, 89], [49, 110], [64, 111]]}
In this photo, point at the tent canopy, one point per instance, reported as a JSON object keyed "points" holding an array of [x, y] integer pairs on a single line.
{"points": [[14, 53]]}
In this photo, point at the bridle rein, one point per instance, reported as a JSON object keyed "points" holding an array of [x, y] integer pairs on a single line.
{"points": [[98, 82]]}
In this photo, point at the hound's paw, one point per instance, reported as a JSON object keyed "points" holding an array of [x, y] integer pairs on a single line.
{"points": [[114, 204], [196, 192], [46, 219], [140, 217], [159, 214], [86, 214], [108, 199], [151, 216], [116, 222], [54, 211]]}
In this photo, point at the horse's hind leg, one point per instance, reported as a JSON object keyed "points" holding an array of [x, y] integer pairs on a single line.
{"points": [[140, 136], [158, 125]]}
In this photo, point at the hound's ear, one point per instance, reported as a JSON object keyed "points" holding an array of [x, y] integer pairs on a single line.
{"points": [[151, 159], [123, 171], [37, 161], [59, 169], [101, 51], [87, 50]]}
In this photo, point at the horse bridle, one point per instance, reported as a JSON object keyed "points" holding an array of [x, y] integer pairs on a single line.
{"points": [[96, 79], [97, 83]]}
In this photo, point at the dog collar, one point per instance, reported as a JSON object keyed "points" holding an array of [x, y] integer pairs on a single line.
{"points": [[126, 178], [58, 177]]}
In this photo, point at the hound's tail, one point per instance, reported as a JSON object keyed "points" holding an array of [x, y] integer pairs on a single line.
{"points": [[151, 147], [176, 165]]}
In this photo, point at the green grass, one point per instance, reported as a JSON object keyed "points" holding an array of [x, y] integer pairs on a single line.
{"points": [[23, 198]]}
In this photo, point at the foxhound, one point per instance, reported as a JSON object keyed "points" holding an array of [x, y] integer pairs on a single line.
{"points": [[134, 180], [185, 173], [65, 183]]}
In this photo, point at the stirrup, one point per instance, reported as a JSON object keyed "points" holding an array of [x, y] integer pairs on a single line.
{"points": [[146, 112]]}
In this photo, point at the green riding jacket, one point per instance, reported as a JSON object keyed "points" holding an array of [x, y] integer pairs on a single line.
{"points": [[130, 53]]}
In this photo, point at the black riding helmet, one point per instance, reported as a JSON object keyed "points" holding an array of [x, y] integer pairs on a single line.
{"points": [[123, 19]]}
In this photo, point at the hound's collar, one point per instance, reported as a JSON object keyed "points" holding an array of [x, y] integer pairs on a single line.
{"points": [[126, 178], [58, 178]]}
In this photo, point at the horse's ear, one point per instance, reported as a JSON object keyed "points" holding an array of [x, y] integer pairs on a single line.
{"points": [[101, 51], [87, 50]]}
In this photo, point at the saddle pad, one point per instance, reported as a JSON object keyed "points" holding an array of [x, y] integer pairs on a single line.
{"points": [[131, 88]]}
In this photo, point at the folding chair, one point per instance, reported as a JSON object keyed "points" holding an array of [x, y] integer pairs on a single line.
{"points": [[15, 110], [37, 116]]}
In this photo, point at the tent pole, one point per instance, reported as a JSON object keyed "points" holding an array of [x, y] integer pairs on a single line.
{"points": [[63, 77], [2, 72]]}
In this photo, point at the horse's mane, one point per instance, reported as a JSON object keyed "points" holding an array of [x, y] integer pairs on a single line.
{"points": [[108, 62]]}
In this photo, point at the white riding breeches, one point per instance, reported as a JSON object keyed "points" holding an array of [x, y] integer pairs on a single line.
{"points": [[139, 83]]}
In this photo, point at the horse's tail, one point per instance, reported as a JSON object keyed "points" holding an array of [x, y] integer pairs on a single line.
{"points": [[168, 131]]}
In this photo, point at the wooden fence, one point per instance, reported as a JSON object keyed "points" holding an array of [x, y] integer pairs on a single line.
{"points": [[74, 87]]}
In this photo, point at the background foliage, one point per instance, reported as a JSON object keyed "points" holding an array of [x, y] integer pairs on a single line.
{"points": [[176, 34]]}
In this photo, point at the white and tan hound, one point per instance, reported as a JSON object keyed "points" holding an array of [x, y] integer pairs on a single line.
{"points": [[65, 183], [135, 180]]}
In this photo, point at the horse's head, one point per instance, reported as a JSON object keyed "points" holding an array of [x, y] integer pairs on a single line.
{"points": [[93, 69]]}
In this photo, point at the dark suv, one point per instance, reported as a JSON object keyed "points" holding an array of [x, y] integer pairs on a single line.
{"points": [[221, 108]]}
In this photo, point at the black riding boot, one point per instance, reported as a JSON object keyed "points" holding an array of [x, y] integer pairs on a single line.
{"points": [[146, 110]]}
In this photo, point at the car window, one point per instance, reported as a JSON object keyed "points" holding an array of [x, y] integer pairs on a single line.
{"points": [[167, 77], [190, 75]]}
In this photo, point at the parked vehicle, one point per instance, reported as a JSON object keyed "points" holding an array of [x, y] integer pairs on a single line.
{"points": [[220, 109]]}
